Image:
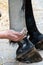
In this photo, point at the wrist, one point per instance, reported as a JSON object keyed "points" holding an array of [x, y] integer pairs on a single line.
{"points": [[3, 34]]}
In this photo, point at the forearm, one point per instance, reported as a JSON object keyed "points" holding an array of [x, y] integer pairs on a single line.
{"points": [[3, 35]]}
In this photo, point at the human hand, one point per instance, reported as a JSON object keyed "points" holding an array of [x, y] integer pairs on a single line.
{"points": [[14, 36]]}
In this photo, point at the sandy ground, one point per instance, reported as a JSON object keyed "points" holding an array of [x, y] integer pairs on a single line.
{"points": [[7, 51]]}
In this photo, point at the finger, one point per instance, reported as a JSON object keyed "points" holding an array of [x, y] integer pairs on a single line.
{"points": [[21, 37], [15, 33]]}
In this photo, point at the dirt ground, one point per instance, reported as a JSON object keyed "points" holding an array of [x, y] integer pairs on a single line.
{"points": [[4, 19], [7, 51]]}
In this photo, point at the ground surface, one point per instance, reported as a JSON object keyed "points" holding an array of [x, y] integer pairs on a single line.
{"points": [[7, 51]]}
